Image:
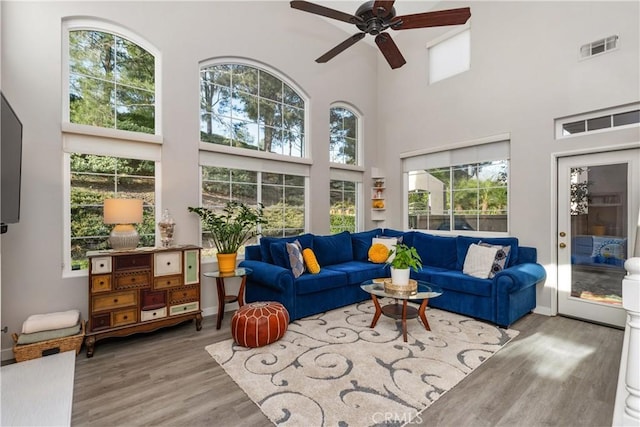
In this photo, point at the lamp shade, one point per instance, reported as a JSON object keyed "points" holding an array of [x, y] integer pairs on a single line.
{"points": [[122, 211]]}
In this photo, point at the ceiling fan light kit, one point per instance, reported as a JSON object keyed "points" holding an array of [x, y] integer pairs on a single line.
{"points": [[375, 17]]}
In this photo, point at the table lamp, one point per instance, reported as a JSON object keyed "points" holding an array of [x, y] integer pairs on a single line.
{"points": [[123, 213]]}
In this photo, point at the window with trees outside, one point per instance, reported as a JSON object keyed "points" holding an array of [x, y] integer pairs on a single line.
{"points": [[282, 196], [343, 136], [247, 107], [95, 178], [470, 197], [111, 82], [343, 206]]}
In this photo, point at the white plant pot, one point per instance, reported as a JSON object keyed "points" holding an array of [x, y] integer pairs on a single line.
{"points": [[400, 276]]}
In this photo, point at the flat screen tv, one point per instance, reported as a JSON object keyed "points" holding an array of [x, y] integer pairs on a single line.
{"points": [[10, 164]]}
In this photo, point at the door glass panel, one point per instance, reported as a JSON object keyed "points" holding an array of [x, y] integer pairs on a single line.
{"points": [[598, 229]]}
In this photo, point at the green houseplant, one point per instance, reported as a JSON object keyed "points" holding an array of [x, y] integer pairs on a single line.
{"points": [[230, 229], [406, 258]]}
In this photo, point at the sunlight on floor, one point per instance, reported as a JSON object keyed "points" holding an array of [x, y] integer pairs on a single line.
{"points": [[552, 357]]}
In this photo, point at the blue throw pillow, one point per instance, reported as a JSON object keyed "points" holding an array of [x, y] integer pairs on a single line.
{"points": [[361, 243], [436, 251], [306, 241], [334, 249]]}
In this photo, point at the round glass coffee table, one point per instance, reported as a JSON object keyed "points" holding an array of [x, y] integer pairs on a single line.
{"points": [[400, 310]]}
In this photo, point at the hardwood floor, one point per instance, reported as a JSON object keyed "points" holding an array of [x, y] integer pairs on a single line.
{"points": [[557, 372]]}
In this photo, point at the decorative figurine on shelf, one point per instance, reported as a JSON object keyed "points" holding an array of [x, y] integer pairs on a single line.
{"points": [[166, 226]]}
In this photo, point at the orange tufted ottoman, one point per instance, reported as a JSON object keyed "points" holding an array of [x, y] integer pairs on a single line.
{"points": [[259, 323]]}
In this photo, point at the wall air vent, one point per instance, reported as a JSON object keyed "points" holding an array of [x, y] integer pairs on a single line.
{"points": [[598, 47]]}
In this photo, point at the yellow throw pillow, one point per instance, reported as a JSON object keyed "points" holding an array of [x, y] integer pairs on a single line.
{"points": [[310, 261], [378, 253]]}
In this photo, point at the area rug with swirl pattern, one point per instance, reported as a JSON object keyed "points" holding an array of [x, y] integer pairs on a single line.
{"points": [[332, 369]]}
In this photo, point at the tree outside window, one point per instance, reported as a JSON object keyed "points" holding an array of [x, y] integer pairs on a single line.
{"points": [[247, 107], [465, 197], [342, 212], [95, 178], [111, 82], [343, 136], [282, 196]]}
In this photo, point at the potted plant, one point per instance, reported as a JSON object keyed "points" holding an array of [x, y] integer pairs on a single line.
{"points": [[406, 258], [230, 229]]}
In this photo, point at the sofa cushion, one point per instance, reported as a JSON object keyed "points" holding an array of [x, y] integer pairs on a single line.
{"points": [[325, 279], [479, 260], [436, 251], [390, 232], [463, 242], [361, 243], [296, 262], [359, 271], [333, 249], [459, 282], [306, 241]]}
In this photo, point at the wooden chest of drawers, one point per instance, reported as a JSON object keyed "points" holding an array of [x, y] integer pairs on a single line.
{"points": [[141, 291]]}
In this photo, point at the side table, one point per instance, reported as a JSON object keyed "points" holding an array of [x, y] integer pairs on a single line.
{"points": [[223, 298]]}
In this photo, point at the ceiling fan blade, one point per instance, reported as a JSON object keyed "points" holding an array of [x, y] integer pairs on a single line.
{"points": [[383, 7], [324, 11], [342, 46], [390, 51], [433, 19]]}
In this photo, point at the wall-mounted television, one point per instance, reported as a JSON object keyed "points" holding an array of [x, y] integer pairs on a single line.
{"points": [[10, 164]]}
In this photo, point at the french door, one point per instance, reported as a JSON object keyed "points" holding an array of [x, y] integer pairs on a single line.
{"points": [[598, 199]]}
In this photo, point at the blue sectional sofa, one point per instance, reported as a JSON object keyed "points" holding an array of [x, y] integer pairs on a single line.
{"points": [[502, 299]]}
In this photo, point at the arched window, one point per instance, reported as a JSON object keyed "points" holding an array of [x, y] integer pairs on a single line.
{"points": [[245, 106], [343, 136], [111, 82], [110, 130]]}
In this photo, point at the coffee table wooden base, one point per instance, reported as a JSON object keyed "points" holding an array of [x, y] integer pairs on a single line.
{"points": [[400, 311]]}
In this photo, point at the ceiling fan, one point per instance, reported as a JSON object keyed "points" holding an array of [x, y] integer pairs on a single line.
{"points": [[375, 17]]}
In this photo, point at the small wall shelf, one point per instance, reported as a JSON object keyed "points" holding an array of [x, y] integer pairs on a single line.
{"points": [[378, 202]]}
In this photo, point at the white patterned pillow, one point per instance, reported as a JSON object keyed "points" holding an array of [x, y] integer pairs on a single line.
{"points": [[479, 261], [294, 250], [501, 259]]}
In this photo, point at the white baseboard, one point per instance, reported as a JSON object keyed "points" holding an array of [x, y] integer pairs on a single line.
{"points": [[545, 311]]}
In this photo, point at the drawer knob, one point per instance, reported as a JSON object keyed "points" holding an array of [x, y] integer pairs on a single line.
{"points": [[102, 282], [125, 317], [168, 262], [115, 300], [168, 282], [101, 265], [184, 294], [190, 267], [133, 279], [154, 313]]}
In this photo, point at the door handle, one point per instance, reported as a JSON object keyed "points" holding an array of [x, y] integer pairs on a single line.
{"points": [[562, 245]]}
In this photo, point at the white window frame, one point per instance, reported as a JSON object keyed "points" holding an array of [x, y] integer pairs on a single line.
{"points": [[215, 158], [75, 24], [207, 146], [561, 121], [359, 137], [467, 152], [340, 174], [96, 140]]}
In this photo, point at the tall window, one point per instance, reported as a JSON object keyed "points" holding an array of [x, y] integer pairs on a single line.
{"points": [[282, 195], [343, 136], [343, 206], [460, 189], [95, 178], [248, 107], [111, 82]]}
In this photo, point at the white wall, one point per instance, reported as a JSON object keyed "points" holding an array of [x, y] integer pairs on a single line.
{"points": [[524, 74], [185, 33]]}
